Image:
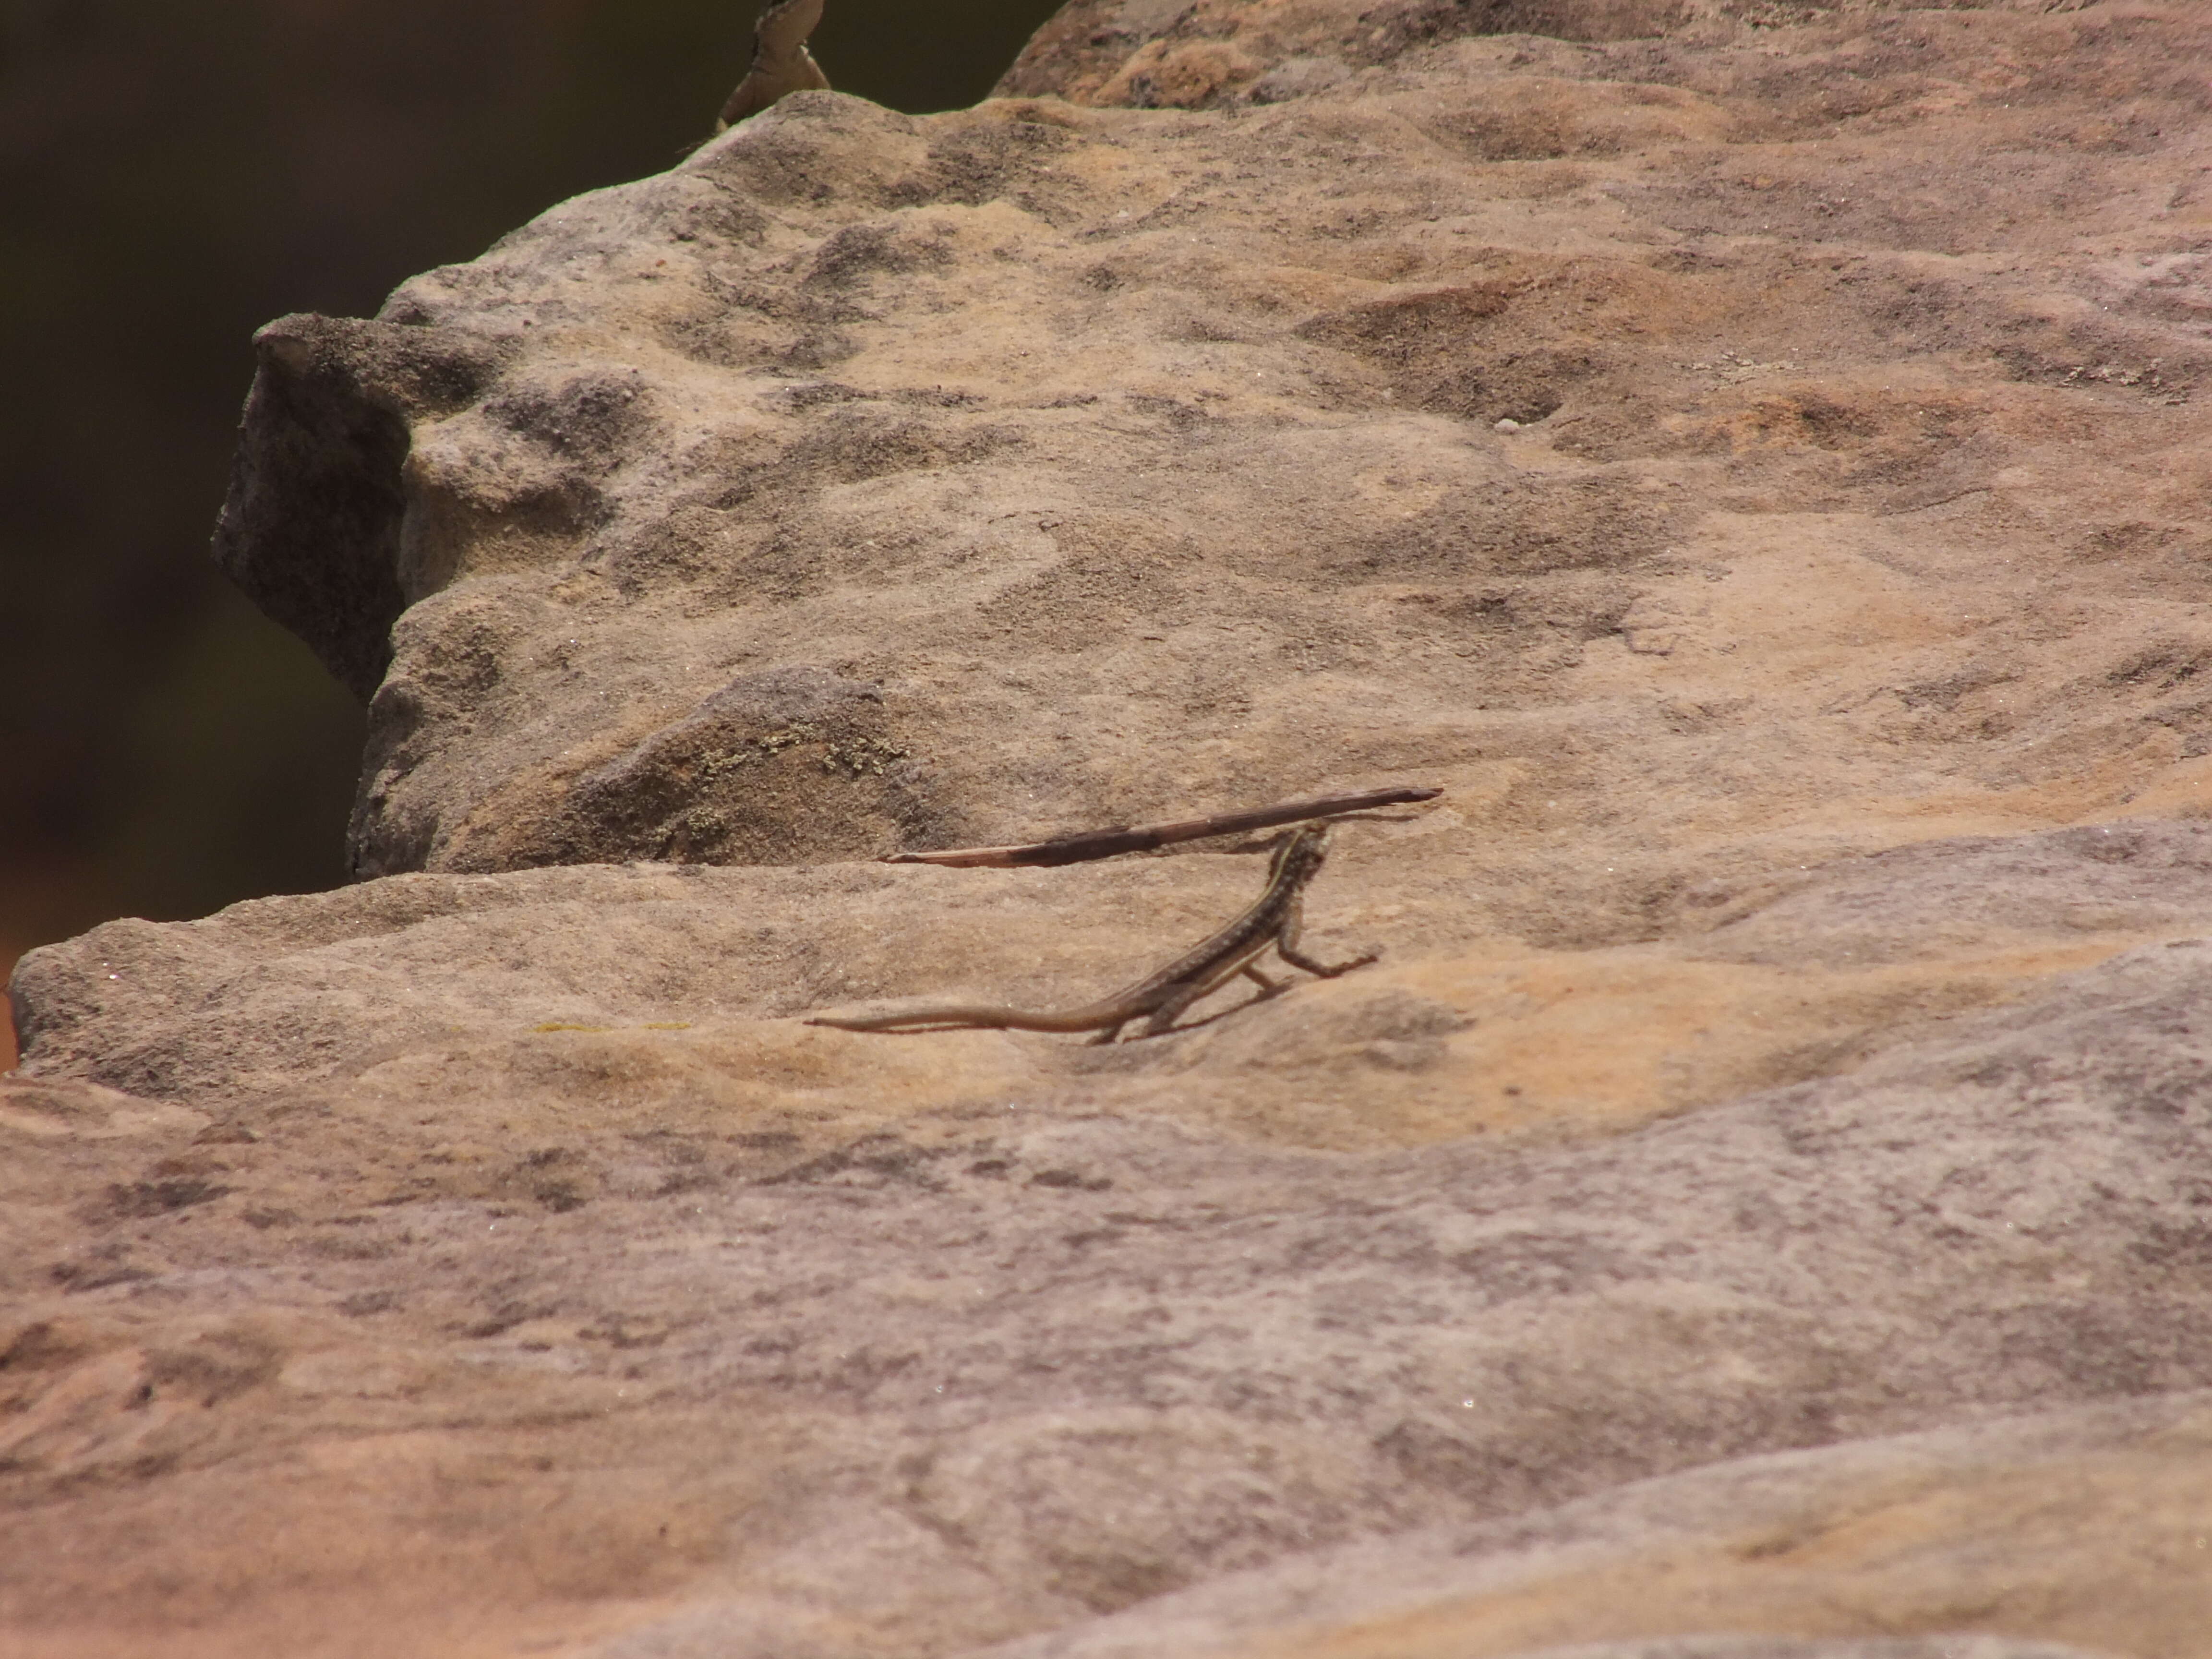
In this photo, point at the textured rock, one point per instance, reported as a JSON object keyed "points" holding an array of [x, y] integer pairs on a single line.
{"points": [[1145, 459], [1759, 1204], [1933, 1530], [920, 1380]]}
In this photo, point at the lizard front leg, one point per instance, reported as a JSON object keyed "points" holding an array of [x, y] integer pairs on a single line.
{"points": [[1322, 969], [1268, 988], [1286, 946]]}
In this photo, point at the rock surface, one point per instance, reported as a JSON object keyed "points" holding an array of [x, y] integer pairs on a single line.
{"points": [[1758, 1208]]}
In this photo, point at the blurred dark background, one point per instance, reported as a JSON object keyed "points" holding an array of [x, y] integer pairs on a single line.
{"points": [[174, 173]]}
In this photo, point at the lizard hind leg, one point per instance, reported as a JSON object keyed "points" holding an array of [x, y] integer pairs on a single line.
{"points": [[1164, 1017], [1175, 1007]]}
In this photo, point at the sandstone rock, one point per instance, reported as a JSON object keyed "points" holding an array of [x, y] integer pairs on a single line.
{"points": [[1739, 1550], [938, 1378], [1757, 1206], [1141, 459]]}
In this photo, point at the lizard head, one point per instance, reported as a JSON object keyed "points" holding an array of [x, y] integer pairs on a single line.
{"points": [[1300, 855]]}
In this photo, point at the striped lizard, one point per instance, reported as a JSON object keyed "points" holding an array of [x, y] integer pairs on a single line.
{"points": [[1161, 999]]}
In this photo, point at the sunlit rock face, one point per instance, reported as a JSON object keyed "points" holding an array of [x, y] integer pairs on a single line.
{"points": [[1751, 458]]}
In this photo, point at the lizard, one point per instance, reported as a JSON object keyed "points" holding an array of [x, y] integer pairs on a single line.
{"points": [[780, 63], [1160, 999]]}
